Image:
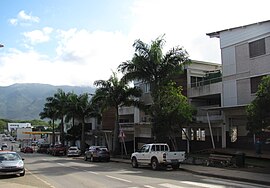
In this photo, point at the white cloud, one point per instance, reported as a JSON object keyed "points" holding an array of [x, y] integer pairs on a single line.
{"points": [[24, 18], [186, 23], [83, 57], [38, 36]]}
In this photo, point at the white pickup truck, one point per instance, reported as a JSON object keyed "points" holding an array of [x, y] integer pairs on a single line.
{"points": [[157, 155]]}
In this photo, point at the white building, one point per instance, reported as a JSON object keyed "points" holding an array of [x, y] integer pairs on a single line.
{"points": [[15, 126]]}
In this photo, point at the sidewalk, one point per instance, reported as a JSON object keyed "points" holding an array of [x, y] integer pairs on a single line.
{"points": [[225, 173]]}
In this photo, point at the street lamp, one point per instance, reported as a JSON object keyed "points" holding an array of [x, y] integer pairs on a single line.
{"points": [[1, 45]]}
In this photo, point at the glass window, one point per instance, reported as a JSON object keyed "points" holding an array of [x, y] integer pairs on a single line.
{"points": [[254, 83], [184, 132], [257, 48], [147, 87]]}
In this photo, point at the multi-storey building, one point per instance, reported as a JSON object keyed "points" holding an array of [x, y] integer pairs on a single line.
{"points": [[245, 53], [201, 83]]}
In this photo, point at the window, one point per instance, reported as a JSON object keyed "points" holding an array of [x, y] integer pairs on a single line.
{"points": [[200, 134], [257, 48], [196, 81], [184, 132], [147, 87], [254, 83]]}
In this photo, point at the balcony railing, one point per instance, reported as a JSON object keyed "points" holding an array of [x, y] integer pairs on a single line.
{"points": [[206, 82]]}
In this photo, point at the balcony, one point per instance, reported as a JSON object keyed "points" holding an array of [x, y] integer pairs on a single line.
{"points": [[204, 88], [126, 110]]}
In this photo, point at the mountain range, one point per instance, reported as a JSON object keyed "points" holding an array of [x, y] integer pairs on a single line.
{"points": [[26, 101]]}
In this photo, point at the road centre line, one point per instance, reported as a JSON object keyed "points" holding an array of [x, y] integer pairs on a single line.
{"points": [[120, 179]]}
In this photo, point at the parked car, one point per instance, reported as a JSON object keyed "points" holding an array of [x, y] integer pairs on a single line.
{"points": [[49, 149], [157, 155], [73, 151], [27, 149], [42, 148], [11, 163], [4, 146], [97, 153], [58, 150]]}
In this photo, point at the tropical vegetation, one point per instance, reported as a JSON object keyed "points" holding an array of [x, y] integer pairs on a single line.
{"points": [[150, 65], [258, 111], [170, 109]]}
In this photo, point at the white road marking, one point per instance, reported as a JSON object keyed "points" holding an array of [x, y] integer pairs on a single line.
{"points": [[149, 186], [60, 164], [234, 184], [203, 184], [120, 179], [92, 172], [170, 185], [40, 179]]}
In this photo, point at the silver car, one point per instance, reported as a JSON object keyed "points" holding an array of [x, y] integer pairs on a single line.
{"points": [[73, 151], [11, 163]]}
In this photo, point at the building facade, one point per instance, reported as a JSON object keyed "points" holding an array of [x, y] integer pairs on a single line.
{"points": [[245, 54]]}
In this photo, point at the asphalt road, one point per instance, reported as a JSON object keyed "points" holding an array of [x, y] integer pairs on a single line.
{"points": [[62, 172]]}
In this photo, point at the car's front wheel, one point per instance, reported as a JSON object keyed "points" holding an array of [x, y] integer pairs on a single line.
{"points": [[23, 173]]}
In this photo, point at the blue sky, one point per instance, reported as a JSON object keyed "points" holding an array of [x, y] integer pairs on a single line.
{"points": [[68, 42]]}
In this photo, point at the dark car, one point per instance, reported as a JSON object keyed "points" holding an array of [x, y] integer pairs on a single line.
{"points": [[27, 149], [97, 153], [11, 163], [58, 150], [42, 148]]}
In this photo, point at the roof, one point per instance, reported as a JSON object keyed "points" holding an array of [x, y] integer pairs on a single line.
{"points": [[216, 33]]}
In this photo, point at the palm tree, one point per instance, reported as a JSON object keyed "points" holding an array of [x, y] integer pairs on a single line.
{"points": [[49, 111], [84, 110], [151, 66], [115, 93], [72, 106], [59, 101], [72, 109]]}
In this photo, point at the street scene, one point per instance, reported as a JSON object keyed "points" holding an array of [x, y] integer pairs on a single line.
{"points": [[44, 170], [134, 94]]}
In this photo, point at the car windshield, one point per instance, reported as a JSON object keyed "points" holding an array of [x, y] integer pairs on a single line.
{"points": [[72, 148], [9, 157]]}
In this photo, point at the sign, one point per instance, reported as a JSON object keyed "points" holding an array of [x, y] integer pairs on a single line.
{"points": [[122, 134]]}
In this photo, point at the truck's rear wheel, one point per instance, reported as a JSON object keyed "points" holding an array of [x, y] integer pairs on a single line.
{"points": [[134, 162], [154, 164]]}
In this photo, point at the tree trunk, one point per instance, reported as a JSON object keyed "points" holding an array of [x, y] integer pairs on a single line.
{"points": [[83, 137], [116, 147], [62, 132], [53, 134]]}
